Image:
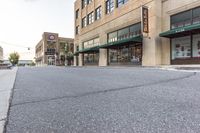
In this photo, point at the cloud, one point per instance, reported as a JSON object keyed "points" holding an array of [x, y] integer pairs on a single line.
{"points": [[30, 0]]}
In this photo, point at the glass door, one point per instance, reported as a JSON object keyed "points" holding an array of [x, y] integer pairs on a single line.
{"points": [[51, 60]]}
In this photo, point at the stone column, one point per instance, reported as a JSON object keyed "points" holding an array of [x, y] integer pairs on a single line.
{"points": [[80, 59], [103, 57], [152, 44]]}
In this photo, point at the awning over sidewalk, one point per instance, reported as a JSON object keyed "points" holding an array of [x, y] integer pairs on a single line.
{"points": [[136, 39], [90, 50], [182, 31]]}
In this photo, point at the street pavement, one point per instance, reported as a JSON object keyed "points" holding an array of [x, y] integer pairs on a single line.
{"points": [[7, 78], [104, 100]]}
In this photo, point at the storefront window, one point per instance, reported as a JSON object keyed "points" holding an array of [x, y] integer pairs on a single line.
{"points": [[131, 54], [135, 30], [112, 37], [96, 42], [196, 45], [181, 19], [91, 58], [196, 16], [186, 18], [181, 47], [85, 45], [123, 34], [91, 43], [123, 54], [113, 55]]}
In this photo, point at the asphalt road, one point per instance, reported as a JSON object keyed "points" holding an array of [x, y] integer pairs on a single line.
{"points": [[104, 100]]}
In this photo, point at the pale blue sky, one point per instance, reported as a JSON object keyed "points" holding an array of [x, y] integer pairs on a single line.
{"points": [[22, 22]]}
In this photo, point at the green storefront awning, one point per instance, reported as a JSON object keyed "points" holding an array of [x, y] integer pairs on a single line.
{"points": [[136, 39], [181, 31], [89, 50]]}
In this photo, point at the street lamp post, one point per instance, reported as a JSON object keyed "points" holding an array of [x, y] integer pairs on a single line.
{"points": [[55, 58], [66, 50]]}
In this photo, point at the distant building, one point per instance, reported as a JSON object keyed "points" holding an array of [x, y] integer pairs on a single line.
{"points": [[1, 53], [53, 50]]}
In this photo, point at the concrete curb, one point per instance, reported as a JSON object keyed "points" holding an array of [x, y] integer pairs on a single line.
{"points": [[7, 80], [181, 68]]}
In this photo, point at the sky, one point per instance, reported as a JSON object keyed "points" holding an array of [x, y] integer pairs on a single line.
{"points": [[22, 23]]}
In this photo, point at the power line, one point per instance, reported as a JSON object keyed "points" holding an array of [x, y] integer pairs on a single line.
{"points": [[15, 45]]}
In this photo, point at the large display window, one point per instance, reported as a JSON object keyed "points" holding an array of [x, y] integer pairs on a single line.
{"points": [[196, 45], [91, 58], [131, 54], [181, 47]]}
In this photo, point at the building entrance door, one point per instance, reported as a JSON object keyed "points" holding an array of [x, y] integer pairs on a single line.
{"points": [[51, 60]]}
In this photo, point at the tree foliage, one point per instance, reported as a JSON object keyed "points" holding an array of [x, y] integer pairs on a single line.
{"points": [[14, 58]]}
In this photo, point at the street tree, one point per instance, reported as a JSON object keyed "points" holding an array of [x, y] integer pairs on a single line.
{"points": [[69, 54], [14, 58]]}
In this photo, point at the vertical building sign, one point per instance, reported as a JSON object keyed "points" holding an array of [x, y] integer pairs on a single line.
{"points": [[145, 19]]}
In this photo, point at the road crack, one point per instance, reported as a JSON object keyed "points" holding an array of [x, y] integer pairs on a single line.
{"points": [[107, 91]]}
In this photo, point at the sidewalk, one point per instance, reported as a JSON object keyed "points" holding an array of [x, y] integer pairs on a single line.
{"points": [[186, 68], [7, 79]]}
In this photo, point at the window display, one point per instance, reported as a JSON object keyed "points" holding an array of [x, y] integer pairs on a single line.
{"points": [[113, 55], [91, 58], [131, 54], [196, 45], [181, 47]]}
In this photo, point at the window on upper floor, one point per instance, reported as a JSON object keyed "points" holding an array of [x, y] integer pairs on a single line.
{"points": [[62, 45], [181, 19], [112, 37], [84, 3], [89, 1], [109, 6], [84, 22], [186, 18], [77, 30], [125, 33], [77, 13], [98, 13], [135, 30], [121, 2], [91, 43], [196, 16], [90, 18]]}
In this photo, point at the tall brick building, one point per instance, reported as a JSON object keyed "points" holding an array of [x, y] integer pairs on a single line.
{"points": [[111, 32]]}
